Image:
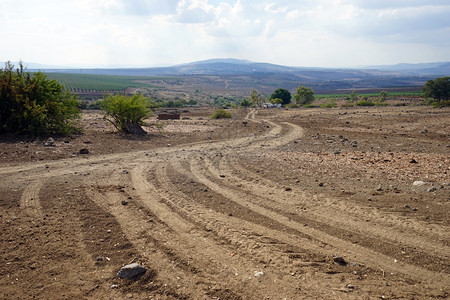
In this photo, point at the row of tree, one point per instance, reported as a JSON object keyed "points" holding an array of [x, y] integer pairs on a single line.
{"points": [[303, 96]]}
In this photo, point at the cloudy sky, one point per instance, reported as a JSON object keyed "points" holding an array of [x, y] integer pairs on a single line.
{"points": [[328, 33]]}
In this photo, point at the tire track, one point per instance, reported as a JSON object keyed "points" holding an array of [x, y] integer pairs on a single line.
{"points": [[353, 250], [339, 214], [30, 201], [189, 239]]}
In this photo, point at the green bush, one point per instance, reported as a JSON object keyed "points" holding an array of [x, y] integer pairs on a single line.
{"points": [[442, 103], [328, 105], [124, 111], [365, 103], [221, 114], [32, 104], [310, 106]]}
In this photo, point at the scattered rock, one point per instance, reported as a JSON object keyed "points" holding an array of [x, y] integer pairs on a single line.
{"points": [[415, 209], [407, 206], [418, 183], [222, 176], [259, 274], [379, 188], [432, 189], [413, 161], [321, 184], [288, 189], [350, 286], [132, 271], [337, 152], [124, 202], [339, 260], [84, 151], [49, 144]]}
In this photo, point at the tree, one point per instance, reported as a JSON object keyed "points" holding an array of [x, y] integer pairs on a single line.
{"points": [[383, 96], [354, 96], [282, 94], [255, 98], [33, 104], [276, 101], [245, 103], [126, 113], [303, 95], [438, 89]]}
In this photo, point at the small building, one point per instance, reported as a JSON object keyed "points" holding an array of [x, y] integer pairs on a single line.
{"points": [[168, 115]]}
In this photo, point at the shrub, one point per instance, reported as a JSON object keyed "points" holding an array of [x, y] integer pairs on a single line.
{"points": [[310, 106], [328, 105], [442, 103], [438, 89], [303, 95], [347, 105], [365, 103], [126, 112], [221, 114], [33, 104]]}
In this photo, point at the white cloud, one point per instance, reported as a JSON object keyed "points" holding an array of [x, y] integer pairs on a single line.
{"points": [[293, 32]]}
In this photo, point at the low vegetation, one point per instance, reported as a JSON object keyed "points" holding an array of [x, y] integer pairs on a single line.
{"points": [[303, 95], [221, 114], [124, 112], [35, 105]]}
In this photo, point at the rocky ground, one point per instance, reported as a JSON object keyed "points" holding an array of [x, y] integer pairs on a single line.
{"points": [[272, 204]]}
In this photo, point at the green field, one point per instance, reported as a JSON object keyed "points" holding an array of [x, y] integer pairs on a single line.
{"points": [[91, 82]]}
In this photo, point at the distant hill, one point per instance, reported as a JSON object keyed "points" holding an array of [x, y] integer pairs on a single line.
{"points": [[244, 67], [266, 74]]}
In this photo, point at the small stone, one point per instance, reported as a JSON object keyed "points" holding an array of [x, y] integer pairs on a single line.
{"points": [[131, 271], [337, 152], [49, 144], [114, 286], [415, 209], [350, 286], [379, 188], [259, 274], [99, 258], [418, 183], [84, 151], [124, 202], [222, 176], [339, 260], [413, 161], [407, 206], [432, 189], [288, 189], [321, 184]]}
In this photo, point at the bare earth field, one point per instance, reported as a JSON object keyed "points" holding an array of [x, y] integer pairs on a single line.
{"points": [[256, 207]]}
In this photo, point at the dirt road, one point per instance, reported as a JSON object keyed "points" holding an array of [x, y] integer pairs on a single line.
{"points": [[259, 209]]}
